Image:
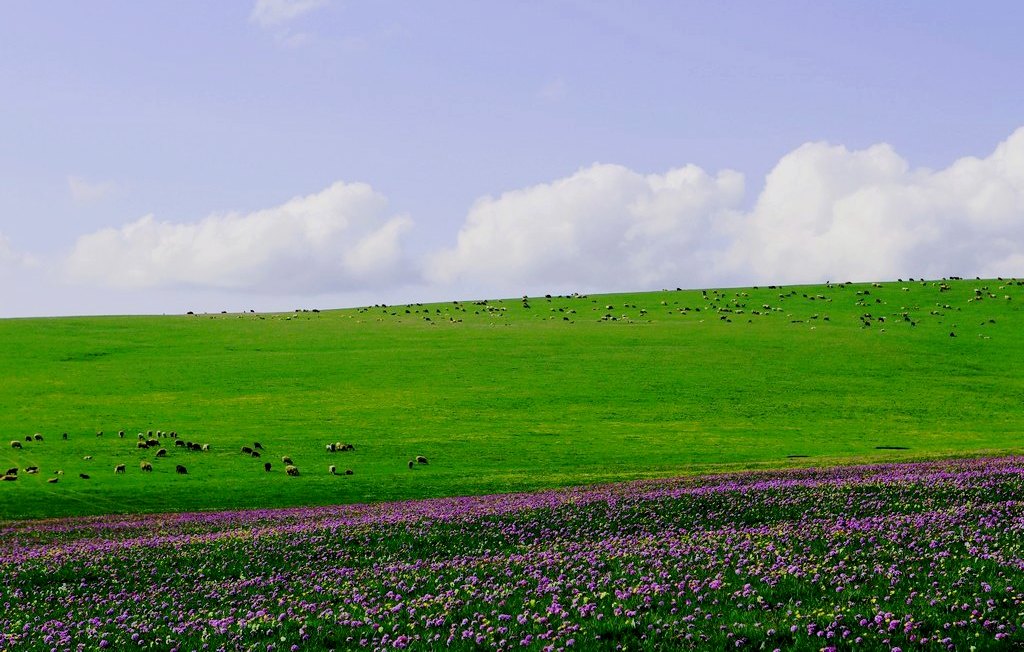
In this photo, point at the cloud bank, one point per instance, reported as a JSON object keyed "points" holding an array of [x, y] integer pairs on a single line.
{"points": [[338, 239], [823, 213]]}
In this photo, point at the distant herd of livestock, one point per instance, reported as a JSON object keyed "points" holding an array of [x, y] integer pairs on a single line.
{"points": [[152, 440]]}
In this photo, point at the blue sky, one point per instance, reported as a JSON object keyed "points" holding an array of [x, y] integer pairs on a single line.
{"points": [[161, 157]]}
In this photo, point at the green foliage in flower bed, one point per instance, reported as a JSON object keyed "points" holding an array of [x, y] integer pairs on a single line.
{"points": [[505, 395], [925, 556]]}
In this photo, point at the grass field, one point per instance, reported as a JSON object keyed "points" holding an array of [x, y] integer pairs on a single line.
{"points": [[506, 395]]}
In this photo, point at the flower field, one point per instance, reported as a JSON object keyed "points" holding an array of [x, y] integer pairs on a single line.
{"points": [[902, 556]]}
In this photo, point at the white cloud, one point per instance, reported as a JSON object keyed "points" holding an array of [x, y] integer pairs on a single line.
{"points": [[604, 227], [825, 213], [83, 191], [337, 239], [270, 13], [830, 213]]}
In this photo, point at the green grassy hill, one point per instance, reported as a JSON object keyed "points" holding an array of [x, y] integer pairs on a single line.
{"points": [[506, 395]]}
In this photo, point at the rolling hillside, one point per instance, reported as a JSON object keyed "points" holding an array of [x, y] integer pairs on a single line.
{"points": [[503, 395]]}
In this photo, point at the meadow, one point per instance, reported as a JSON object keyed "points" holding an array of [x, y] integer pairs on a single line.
{"points": [[504, 395], [922, 556]]}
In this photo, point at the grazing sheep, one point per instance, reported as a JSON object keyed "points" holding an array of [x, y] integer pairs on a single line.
{"points": [[411, 464], [204, 447], [12, 471], [255, 454], [10, 478], [37, 437], [152, 443], [291, 470], [141, 444], [193, 446], [333, 470], [28, 437], [162, 452], [83, 476], [99, 433], [149, 433], [286, 460], [174, 434], [257, 445], [266, 467], [53, 480], [349, 471], [145, 466], [421, 460], [58, 472], [142, 436], [180, 470], [329, 448], [87, 458], [347, 447], [64, 435], [246, 450], [177, 442], [15, 444], [120, 433], [31, 470], [119, 468]]}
